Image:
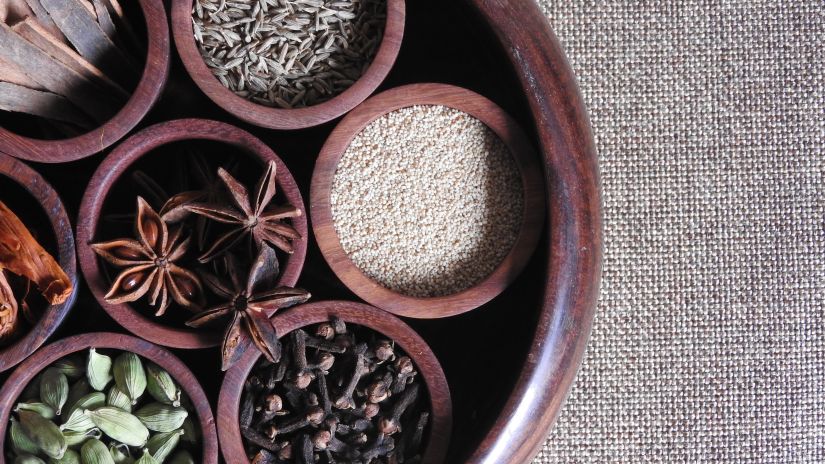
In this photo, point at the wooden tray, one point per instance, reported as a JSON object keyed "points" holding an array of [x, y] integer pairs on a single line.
{"points": [[510, 363]]}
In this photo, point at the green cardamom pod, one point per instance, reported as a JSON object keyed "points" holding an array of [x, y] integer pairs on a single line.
{"points": [[182, 457], [159, 417], [54, 389], [76, 439], [40, 408], [161, 445], [146, 458], [119, 425], [43, 433], [95, 452], [28, 459], [20, 442], [120, 453], [71, 366], [117, 398], [71, 457], [130, 376], [161, 385], [78, 390], [78, 421], [190, 432], [98, 370]]}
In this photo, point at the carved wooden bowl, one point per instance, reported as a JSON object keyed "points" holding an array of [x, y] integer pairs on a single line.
{"points": [[52, 208], [522, 153], [112, 169], [279, 118], [44, 357], [352, 313], [147, 92]]}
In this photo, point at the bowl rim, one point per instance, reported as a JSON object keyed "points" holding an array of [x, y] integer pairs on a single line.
{"points": [[523, 154], [280, 118], [118, 162], [43, 357], [52, 206], [144, 97], [351, 312]]}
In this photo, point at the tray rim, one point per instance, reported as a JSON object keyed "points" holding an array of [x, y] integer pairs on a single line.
{"points": [[574, 261]]}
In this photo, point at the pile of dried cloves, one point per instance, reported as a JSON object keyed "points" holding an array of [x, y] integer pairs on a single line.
{"points": [[220, 236], [340, 394], [98, 410]]}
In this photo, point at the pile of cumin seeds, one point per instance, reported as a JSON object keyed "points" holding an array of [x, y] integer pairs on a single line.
{"points": [[427, 201], [288, 54]]}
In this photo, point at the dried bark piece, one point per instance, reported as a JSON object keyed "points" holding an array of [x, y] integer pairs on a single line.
{"points": [[8, 309], [31, 30], [13, 10], [19, 99], [46, 20], [104, 19], [22, 255], [55, 76], [11, 73]]}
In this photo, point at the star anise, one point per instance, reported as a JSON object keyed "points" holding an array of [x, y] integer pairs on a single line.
{"points": [[250, 216], [149, 264], [250, 302]]}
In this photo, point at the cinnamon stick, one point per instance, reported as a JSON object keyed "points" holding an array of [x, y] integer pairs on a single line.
{"points": [[19, 99], [104, 19], [22, 255], [45, 19], [8, 309], [10, 72]]}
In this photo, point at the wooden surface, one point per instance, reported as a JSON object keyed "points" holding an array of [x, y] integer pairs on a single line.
{"points": [[149, 88], [279, 118], [111, 171], [575, 232], [499, 122], [352, 313], [53, 208], [163, 358]]}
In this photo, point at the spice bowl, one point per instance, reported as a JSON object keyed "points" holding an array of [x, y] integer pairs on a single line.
{"points": [[197, 403], [75, 135], [289, 115], [454, 104], [32, 196], [107, 210], [436, 435]]}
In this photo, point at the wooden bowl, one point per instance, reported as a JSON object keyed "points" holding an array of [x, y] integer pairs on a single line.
{"points": [[111, 170], [148, 91], [499, 122], [279, 118], [44, 357], [61, 227], [351, 313]]}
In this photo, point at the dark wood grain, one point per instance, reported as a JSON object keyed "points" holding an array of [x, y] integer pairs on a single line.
{"points": [[163, 358], [279, 118], [574, 211], [499, 122], [149, 89], [109, 173], [353, 313], [53, 208]]}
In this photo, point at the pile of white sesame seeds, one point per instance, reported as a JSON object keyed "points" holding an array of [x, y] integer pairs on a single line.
{"points": [[427, 201]]}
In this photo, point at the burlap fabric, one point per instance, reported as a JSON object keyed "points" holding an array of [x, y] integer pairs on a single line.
{"points": [[709, 341]]}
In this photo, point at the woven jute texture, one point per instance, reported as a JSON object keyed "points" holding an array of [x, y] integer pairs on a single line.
{"points": [[709, 340]]}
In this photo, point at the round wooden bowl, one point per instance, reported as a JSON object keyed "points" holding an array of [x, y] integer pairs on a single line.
{"points": [[44, 357], [499, 122], [111, 170], [280, 118], [149, 88], [61, 227], [351, 313]]}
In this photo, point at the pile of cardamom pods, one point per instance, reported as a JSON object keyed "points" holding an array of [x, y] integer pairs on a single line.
{"points": [[102, 411]]}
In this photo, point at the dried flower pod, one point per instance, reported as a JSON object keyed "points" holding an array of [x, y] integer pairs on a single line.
{"points": [[20, 442], [161, 445], [117, 398], [54, 389], [43, 433], [147, 458], [130, 376], [161, 385], [159, 417], [77, 420], [69, 457], [95, 452], [119, 425], [98, 370], [43, 409]]}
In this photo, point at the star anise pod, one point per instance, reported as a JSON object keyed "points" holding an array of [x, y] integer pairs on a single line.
{"points": [[249, 216], [250, 302], [150, 264]]}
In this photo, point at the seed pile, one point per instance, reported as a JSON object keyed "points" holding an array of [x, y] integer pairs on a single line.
{"points": [[339, 394], [285, 53], [427, 201], [102, 410]]}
